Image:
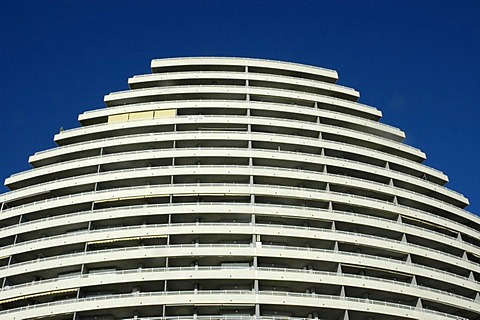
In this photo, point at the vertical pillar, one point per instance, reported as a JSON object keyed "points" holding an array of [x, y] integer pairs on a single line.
{"points": [[459, 237], [174, 145], [335, 246], [342, 292], [395, 200], [247, 85], [165, 282], [419, 304], [339, 269], [471, 277], [409, 258]]}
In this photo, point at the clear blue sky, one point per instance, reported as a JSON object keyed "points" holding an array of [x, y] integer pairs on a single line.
{"points": [[417, 61]]}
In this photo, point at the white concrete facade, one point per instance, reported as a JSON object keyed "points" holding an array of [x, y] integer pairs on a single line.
{"points": [[235, 188]]}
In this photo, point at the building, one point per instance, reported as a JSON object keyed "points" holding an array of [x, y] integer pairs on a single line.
{"points": [[231, 188]]}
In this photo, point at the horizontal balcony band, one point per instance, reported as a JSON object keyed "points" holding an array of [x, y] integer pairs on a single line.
{"points": [[229, 298], [233, 135], [403, 150], [215, 152], [119, 234], [220, 75], [238, 273], [378, 128], [211, 171], [147, 95], [245, 62], [237, 250], [237, 208], [247, 190]]}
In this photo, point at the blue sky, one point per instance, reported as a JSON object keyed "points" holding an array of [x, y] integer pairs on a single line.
{"points": [[416, 61]]}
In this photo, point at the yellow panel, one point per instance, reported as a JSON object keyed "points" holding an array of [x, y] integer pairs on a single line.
{"points": [[141, 115], [167, 113], [118, 118]]}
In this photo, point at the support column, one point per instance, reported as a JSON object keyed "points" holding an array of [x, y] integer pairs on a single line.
{"points": [[319, 122], [409, 258], [165, 282], [85, 249], [399, 219], [247, 85], [419, 304], [10, 258]]}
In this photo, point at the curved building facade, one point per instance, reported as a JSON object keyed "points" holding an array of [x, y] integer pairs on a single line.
{"points": [[231, 188]]}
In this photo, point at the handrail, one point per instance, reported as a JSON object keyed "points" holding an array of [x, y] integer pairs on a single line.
{"points": [[218, 268], [251, 119], [258, 186], [217, 245], [249, 59], [169, 168], [238, 224], [237, 132], [69, 215], [249, 103], [247, 75], [232, 292], [227, 148], [369, 109]]}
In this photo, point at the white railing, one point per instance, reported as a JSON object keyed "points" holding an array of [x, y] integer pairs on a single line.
{"points": [[250, 190], [245, 246], [295, 64], [252, 134], [140, 271], [233, 293], [246, 76], [244, 90], [152, 206], [171, 169], [170, 227], [317, 127], [253, 151], [248, 103]]}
